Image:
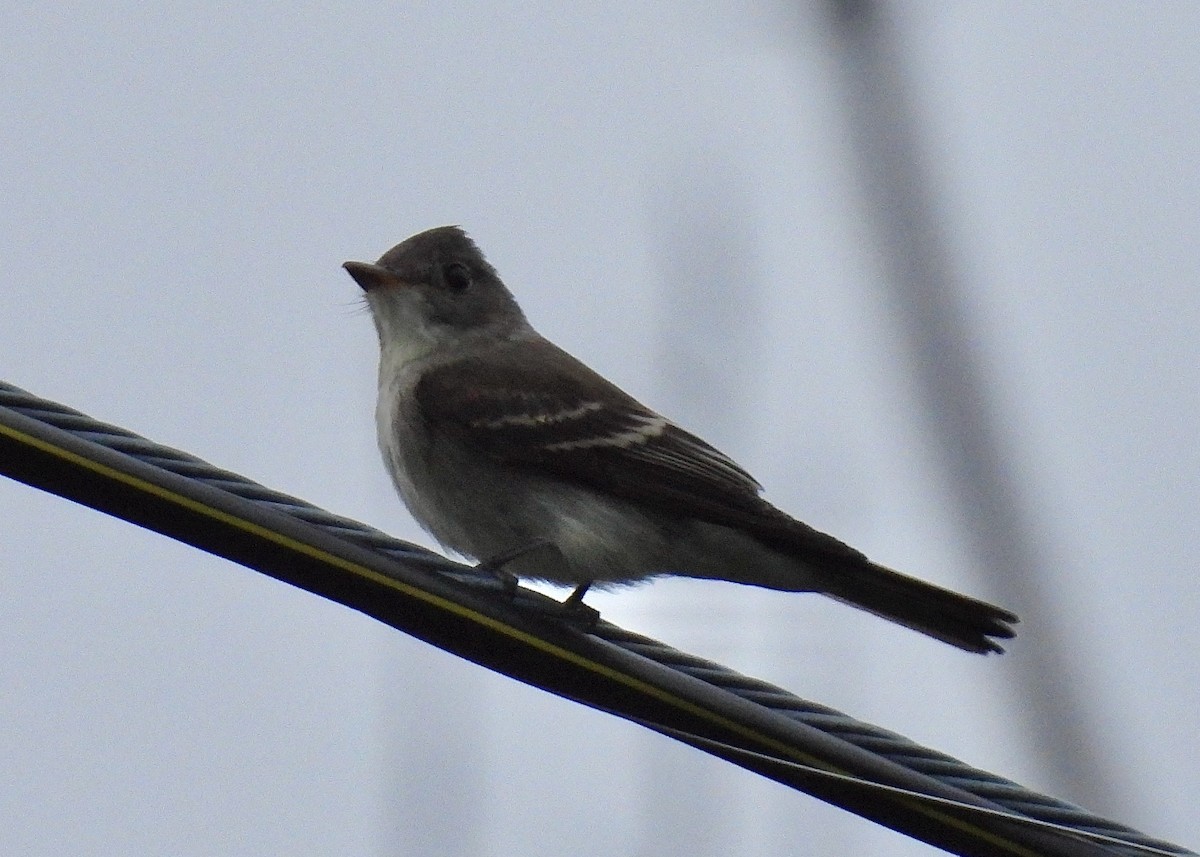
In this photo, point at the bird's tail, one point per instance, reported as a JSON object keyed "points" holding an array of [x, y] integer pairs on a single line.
{"points": [[947, 616]]}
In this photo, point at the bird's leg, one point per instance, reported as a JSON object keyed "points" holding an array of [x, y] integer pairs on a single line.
{"points": [[574, 610], [495, 565], [575, 599]]}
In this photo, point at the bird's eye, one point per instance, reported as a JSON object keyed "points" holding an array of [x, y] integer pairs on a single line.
{"points": [[457, 276]]}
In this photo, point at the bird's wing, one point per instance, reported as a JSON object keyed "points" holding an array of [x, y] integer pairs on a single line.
{"points": [[531, 405]]}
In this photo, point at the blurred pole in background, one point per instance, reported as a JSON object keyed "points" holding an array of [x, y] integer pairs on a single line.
{"points": [[928, 309], [709, 353]]}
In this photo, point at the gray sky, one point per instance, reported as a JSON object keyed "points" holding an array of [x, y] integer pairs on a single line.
{"points": [[181, 185]]}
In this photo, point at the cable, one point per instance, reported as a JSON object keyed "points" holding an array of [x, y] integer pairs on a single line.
{"points": [[466, 612], [730, 751]]}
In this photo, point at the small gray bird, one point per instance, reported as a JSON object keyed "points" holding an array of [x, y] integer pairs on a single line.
{"points": [[502, 444]]}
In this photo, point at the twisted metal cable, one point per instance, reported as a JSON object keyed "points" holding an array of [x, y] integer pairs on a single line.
{"points": [[881, 743], [187, 465], [890, 745]]}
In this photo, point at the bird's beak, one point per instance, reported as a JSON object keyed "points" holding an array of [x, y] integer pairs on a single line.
{"points": [[369, 275]]}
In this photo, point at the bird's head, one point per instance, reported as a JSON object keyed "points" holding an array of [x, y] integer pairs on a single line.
{"points": [[436, 290]]}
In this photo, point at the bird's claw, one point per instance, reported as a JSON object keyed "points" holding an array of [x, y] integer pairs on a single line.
{"points": [[507, 580], [495, 565], [575, 612], [572, 610]]}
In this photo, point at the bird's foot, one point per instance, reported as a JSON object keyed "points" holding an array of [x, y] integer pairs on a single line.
{"points": [[572, 610], [495, 565], [575, 612]]}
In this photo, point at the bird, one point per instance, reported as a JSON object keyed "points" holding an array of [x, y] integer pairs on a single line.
{"points": [[511, 452]]}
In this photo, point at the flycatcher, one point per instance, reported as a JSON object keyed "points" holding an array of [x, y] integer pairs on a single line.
{"points": [[502, 444]]}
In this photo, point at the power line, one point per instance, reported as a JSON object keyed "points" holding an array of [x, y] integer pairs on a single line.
{"points": [[466, 612]]}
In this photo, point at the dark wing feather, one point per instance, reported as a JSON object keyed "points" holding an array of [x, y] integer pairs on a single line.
{"points": [[552, 413]]}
